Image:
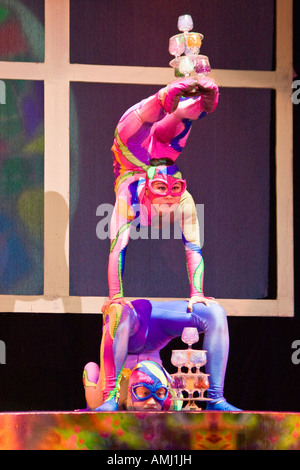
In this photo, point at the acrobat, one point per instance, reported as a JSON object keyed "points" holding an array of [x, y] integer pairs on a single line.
{"points": [[133, 334], [148, 184]]}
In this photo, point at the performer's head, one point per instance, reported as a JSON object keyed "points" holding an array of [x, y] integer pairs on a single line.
{"points": [[148, 388], [164, 185]]}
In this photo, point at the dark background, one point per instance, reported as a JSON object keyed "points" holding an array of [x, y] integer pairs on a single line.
{"points": [[46, 353]]}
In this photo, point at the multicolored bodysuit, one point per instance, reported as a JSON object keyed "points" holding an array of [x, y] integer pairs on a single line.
{"points": [[156, 130]]}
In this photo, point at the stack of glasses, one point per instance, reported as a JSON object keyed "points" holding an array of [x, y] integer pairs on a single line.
{"points": [[189, 386], [188, 43]]}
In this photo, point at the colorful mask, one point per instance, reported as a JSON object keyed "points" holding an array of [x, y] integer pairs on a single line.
{"points": [[142, 391], [147, 380], [170, 179]]}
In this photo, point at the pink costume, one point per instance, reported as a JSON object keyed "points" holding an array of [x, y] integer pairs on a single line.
{"points": [[154, 132]]}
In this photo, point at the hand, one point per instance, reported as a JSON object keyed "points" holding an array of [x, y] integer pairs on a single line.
{"points": [[209, 91], [206, 93], [171, 94], [200, 299], [119, 300]]}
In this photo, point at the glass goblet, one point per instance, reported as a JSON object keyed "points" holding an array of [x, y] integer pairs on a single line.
{"points": [[178, 358], [176, 45], [178, 384], [202, 65], [198, 358], [193, 43], [201, 383], [186, 66], [185, 23], [190, 336]]}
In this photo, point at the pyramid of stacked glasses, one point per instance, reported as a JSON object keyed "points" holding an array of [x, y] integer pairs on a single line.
{"points": [[189, 382], [186, 47]]}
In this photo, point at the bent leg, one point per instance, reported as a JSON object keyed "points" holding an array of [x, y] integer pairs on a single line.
{"points": [[118, 322], [216, 342], [168, 320], [92, 385]]}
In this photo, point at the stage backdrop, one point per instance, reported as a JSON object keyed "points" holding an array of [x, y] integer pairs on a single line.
{"points": [[22, 152]]}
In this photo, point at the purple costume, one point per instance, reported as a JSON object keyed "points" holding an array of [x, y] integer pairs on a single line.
{"points": [[132, 335]]}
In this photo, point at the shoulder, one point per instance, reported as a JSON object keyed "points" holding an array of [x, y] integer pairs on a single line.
{"points": [[187, 198]]}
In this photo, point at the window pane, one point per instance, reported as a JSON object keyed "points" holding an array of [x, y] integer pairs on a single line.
{"points": [[22, 30], [137, 33], [21, 187], [227, 167]]}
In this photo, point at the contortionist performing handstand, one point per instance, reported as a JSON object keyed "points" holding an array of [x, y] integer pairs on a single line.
{"points": [[131, 335], [148, 139]]}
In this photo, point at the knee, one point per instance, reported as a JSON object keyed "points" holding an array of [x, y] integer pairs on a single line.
{"points": [[116, 313], [214, 315], [90, 374], [217, 317]]}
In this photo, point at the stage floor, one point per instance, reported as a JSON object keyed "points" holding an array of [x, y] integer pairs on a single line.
{"points": [[169, 431]]}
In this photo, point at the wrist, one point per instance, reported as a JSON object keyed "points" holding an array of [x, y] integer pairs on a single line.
{"points": [[197, 294], [115, 296], [161, 96]]}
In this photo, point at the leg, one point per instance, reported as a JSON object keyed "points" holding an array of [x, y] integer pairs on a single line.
{"points": [[92, 385], [216, 342], [118, 322], [168, 320]]}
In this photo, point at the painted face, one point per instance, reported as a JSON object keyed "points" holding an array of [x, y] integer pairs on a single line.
{"points": [[148, 386]]}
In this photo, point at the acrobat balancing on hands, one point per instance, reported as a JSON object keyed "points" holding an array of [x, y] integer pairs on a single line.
{"points": [[148, 140]]}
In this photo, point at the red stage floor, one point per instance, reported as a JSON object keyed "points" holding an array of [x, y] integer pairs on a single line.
{"points": [[150, 431]]}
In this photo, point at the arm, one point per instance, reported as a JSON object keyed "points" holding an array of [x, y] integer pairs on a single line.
{"points": [[191, 239], [121, 220]]}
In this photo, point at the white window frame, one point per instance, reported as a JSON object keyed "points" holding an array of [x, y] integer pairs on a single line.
{"points": [[56, 72]]}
